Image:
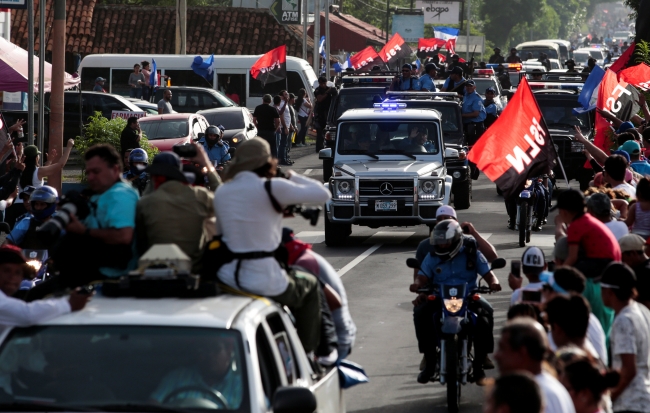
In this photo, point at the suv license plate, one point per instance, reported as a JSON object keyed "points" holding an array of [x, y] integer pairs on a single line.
{"points": [[385, 205]]}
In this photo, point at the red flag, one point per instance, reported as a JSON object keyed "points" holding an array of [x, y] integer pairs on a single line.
{"points": [[430, 47], [442, 58], [271, 67], [638, 76], [451, 46], [621, 62], [364, 60], [395, 49], [517, 146]]}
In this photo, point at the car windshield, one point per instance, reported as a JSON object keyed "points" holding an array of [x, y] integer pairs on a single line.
{"points": [[112, 366], [229, 120], [559, 113], [483, 83], [550, 53], [581, 57], [596, 54], [165, 129], [381, 138], [356, 101], [449, 113]]}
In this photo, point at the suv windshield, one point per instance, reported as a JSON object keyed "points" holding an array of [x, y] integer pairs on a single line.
{"points": [[165, 129], [356, 101], [229, 120], [483, 83], [381, 138], [112, 366], [559, 113]]}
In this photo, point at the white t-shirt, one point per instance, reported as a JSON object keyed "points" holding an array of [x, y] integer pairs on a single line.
{"points": [[627, 188], [286, 115], [618, 228], [631, 335], [515, 298], [36, 183], [595, 340], [556, 398]]}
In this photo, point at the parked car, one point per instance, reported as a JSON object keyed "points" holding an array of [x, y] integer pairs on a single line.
{"points": [[238, 122], [148, 107], [165, 131], [186, 99]]}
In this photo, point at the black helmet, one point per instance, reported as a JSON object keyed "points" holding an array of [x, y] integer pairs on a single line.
{"points": [[497, 50], [447, 238]]}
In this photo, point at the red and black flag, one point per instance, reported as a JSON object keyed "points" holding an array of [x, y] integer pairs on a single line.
{"points": [[638, 76], [517, 146], [395, 49], [429, 47], [271, 67], [364, 60]]}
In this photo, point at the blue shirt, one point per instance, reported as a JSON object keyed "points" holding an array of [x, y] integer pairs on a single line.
{"points": [[450, 84], [216, 153], [114, 208], [472, 102], [492, 108], [641, 167], [17, 234], [406, 84], [454, 271], [427, 83]]}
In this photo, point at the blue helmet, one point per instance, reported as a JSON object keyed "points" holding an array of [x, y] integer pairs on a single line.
{"points": [[45, 194], [139, 155]]}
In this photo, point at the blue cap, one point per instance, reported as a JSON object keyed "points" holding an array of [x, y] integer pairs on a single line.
{"points": [[624, 126], [470, 83], [407, 66], [623, 154], [491, 89]]}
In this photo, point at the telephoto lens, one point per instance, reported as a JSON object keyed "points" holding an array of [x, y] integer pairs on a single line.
{"points": [[50, 231]]}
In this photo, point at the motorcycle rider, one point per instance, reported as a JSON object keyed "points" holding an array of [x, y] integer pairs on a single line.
{"points": [[427, 80], [138, 161], [513, 58], [496, 57], [455, 259], [214, 145], [43, 203]]}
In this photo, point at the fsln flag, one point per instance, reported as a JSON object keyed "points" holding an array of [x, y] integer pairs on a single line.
{"points": [[589, 94], [638, 76], [623, 59], [429, 47], [153, 79], [364, 60], [518, 146], [271, 67], [445, 33], [204, 68], [395, 49]]}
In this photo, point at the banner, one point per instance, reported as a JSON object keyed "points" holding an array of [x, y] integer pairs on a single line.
{"points": [[271, 67], [409, 26], [126, 114], [638, 76], [439, 12], [364, 60], [517, 146], [430, 47], [395, 49]]}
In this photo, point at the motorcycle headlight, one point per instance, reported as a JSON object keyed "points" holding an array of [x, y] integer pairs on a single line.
{"points": [[453, 305], [345, 189]]}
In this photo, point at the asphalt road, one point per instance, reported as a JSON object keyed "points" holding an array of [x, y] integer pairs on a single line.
{"points": [[373, 270]]}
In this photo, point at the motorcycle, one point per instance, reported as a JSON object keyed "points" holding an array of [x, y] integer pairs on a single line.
{"points": [[455, 355], [37, 260], [533, 204]]}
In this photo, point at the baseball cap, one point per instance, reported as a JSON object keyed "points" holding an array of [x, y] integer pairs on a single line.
{"points": [[570, 62], [623, 154], [31, 151], [533, 257], [457, 70], [618, 276], [446, 210], [624, 126], [571, 200], [167, 164], [100, 79], [470, 83], [631, 147], [631, 242], [10, 254], [561, 249], [599, 204], [407, 66], [430, 66], [491, 89]]}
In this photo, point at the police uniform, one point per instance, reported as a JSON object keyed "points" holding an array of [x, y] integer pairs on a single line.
{"points": [[217, 152], [427, 83], [413, 83], [138, 181], [492, 111], [474, 127]]}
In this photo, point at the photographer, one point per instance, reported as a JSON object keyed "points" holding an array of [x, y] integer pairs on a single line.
{"points": [[250, 181], [158, 211], [324, 95], [101, 246]]}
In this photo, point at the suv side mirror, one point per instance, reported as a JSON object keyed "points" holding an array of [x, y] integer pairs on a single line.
{"points": [[451, 153], [294, 400], [325, 153]]}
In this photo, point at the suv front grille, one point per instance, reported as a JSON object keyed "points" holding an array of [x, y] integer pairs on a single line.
{"points": [[388, 187]]}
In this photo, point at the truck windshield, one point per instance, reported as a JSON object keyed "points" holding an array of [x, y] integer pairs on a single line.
{"points": [[114, 367], [378, 138], [559, 113], [356, 101]]}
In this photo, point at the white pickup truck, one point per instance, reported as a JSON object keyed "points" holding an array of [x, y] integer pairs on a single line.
{"points": [[225, 352]]}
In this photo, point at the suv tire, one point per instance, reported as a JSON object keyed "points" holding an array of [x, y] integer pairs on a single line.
{"points": [[463, 195], [328, 165], [336, 234]]}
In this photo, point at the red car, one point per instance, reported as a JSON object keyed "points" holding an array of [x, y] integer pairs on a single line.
{"points": [[165, 131]]}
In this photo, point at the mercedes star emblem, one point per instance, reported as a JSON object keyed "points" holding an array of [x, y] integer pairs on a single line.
{"points": [[386, 188]]}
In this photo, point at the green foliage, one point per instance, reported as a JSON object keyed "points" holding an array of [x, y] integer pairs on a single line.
{"points": [[102, 130], [546, 26], [642, 52], [501, 17]]}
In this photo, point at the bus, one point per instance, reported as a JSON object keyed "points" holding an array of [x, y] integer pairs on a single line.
{"points": [[565, 48], [231, 74], [551, 49]]}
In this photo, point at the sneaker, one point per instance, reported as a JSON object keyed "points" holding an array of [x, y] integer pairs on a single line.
{"points": [[423, 363]]}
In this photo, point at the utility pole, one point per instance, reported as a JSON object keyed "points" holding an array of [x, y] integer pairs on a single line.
{"points": [[41, 75], [317, 37], [181, 26], [56, 98], [30, 71], [305, 17], [327, 39], [469, 8], [387, 15]]}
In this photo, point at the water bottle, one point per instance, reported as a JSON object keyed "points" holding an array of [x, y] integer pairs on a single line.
{"points": [[21, 134]]}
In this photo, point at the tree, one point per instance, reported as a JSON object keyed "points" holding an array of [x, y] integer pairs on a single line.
{"points": [[501, 16], [547, 26]]}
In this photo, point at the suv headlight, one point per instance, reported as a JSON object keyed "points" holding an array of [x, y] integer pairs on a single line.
{"points": [[429, 189], [344, 189], [453, 305]]}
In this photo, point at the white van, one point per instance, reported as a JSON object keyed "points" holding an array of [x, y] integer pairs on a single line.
{"points": [[231, 75], [565, 47], [551, 49]]}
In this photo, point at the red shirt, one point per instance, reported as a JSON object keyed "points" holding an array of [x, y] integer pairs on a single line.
{"points": [[594, 238]]}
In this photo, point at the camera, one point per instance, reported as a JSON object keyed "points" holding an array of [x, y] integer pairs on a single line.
{"points": [[185, 151], [73, 203], [310, 213]]}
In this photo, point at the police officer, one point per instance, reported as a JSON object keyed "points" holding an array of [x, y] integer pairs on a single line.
{"points": [[543, 59], [408, 81], [536, 74], [591, 63], [496, 57], [504, 77], [454, 259], [43, 203], [214, 145], [455, 62], [473, 113], [492, 107], [427, 80], [513, 58], [138, 161], [571, 66], [455, 81]]}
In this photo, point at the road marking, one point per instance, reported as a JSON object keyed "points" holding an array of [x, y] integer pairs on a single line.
{"points": [[486, 236], [308, 171], [357, 260], [389, 237], [311, 237]]}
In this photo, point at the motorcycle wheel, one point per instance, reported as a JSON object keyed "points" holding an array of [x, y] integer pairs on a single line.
{"points": [[453, 384], [523, 221]]}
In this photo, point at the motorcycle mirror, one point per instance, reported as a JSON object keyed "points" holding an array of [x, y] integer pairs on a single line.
{"points": [[498, 263], [415, 264]]}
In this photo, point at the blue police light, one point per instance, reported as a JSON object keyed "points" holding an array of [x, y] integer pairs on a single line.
{"points": [[389, 106]]}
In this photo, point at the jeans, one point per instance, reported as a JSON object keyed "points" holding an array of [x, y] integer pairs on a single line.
{"points": [[270, 137], [136, 92], [146, 93], [282, 148], [320, 139], [303, 130]]}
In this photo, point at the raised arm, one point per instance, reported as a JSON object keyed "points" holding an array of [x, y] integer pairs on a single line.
{"points": [[50, 169]]}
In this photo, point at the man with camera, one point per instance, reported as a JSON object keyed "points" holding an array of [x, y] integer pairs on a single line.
{"points": [[158, 212]]}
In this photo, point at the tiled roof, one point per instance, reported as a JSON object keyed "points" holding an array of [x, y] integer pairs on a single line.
{"points": [[359, 26]]}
